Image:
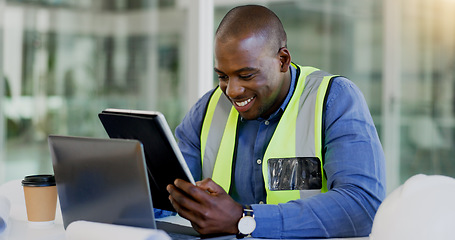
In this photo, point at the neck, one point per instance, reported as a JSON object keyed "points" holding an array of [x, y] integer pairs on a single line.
{"points": [[285, 88]]}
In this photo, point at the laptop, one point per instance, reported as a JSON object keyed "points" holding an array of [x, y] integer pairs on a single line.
{"points": [[102, 180], [164, 161], [106, 180]]}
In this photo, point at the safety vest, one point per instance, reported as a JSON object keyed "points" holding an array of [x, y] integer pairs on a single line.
{"points": [[298, 133]]}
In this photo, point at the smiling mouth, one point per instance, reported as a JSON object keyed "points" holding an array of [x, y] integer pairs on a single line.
{"points": [[243, 103]]}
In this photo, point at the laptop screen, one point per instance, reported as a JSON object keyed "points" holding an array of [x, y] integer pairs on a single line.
{"points": [[102, 180]]}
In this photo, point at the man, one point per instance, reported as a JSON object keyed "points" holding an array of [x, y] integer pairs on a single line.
{"points": [[269, 115]]}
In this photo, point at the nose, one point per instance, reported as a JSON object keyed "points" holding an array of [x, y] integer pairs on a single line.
{"points": [[234, 88]]}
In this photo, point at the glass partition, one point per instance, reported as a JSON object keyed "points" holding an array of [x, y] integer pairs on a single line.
{"points": [[65, 61], [428, 88], [349, 37], [340, 37], [2, 125]]}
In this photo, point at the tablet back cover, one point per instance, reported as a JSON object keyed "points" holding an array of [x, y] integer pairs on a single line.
{"points": [[162, 164]]}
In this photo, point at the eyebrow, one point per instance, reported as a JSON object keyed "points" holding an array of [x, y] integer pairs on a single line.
{"points": [[245, 69]]}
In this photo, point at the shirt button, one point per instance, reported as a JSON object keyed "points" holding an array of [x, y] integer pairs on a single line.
{"points": [[267, 123], [261, 202], [259, 161]]}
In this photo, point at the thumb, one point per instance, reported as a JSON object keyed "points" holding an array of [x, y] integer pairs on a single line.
{"points": [[210, 186]]}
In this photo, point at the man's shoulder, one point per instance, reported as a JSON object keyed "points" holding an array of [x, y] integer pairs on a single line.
{"points": [[192, 121], [202, 101], [339, 79], [342, 90], [343, 86], [343, 82], [199, 108]]}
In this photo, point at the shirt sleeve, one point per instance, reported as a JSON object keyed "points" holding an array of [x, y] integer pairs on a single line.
{"points": [[355, 170], [188, 136]]}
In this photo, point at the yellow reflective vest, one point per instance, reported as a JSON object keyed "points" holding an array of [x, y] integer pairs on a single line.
{"points": [[298, 133]]}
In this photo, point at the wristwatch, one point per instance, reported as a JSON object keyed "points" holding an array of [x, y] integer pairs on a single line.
{"points": [[247, 224]]}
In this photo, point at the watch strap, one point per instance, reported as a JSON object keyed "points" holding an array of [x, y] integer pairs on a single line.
{"points": [[248, 211]]}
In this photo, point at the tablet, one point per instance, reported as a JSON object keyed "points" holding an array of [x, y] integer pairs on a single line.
{"points": [[165, 162]]}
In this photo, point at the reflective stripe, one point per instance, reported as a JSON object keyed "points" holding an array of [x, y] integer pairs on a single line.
{"points": [[216, 131], [289, 139], [316, 81], [206, 125], [322, 92], [308, 193], [223, 165]]}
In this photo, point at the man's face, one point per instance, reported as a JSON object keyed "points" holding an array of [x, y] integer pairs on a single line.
{"points": [[250, 76]]}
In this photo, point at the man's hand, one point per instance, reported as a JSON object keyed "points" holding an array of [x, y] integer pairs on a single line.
{"points": [[209, 208]]}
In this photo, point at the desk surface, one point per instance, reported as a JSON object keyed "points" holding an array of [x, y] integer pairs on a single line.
{"points": [[20, 229], [18, 226]]}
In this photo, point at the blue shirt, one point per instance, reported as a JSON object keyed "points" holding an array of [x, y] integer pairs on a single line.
{"points": [[354, 164]]}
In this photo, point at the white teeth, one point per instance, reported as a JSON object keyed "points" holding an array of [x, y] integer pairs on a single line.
{"points": [[241, 104]]}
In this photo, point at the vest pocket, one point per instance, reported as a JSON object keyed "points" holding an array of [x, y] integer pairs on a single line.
{"points": [[298, 173]]}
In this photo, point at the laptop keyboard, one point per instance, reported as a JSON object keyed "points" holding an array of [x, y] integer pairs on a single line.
{"points": [[177, 236]]}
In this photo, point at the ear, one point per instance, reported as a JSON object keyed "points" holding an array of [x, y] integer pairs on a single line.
{"points": [[285, 59]]}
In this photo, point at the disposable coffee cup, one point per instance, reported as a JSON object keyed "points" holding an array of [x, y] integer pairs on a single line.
{"points": [[40, 198]]}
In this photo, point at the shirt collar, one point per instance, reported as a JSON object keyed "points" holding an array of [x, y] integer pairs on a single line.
{"points": [[280, 110]]}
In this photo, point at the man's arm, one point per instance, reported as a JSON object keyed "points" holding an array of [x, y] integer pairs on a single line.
{"points": [[354, 164]]}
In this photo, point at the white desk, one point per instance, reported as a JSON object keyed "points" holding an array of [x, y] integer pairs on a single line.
{"points": [[18, 226], [20, 229]]}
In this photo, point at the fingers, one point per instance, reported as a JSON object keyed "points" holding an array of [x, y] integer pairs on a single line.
{"points": [[198, 193], [210, 186], [190, 201], [181, 202], [206, 205]]}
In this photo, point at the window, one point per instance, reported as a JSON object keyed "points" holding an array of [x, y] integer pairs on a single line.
{"points": [[65, 61]]}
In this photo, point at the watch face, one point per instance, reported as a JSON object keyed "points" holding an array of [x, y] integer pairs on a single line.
{"points": [[247, 224]]}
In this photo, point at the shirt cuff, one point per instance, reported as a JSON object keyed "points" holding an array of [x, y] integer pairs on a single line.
{"points": [[268, 221]]}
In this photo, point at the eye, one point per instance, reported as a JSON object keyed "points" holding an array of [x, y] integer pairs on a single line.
{"points": [[222, 77], [247, 76]]}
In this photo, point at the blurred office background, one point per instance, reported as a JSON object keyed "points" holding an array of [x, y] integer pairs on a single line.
{"points": [[63, 61]]}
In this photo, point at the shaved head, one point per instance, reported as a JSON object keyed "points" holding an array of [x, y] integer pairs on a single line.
{"points": [[252, 20], [252, 61]]}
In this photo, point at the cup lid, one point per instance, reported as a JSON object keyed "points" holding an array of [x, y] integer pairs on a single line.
{"points": [[39, 181]]}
